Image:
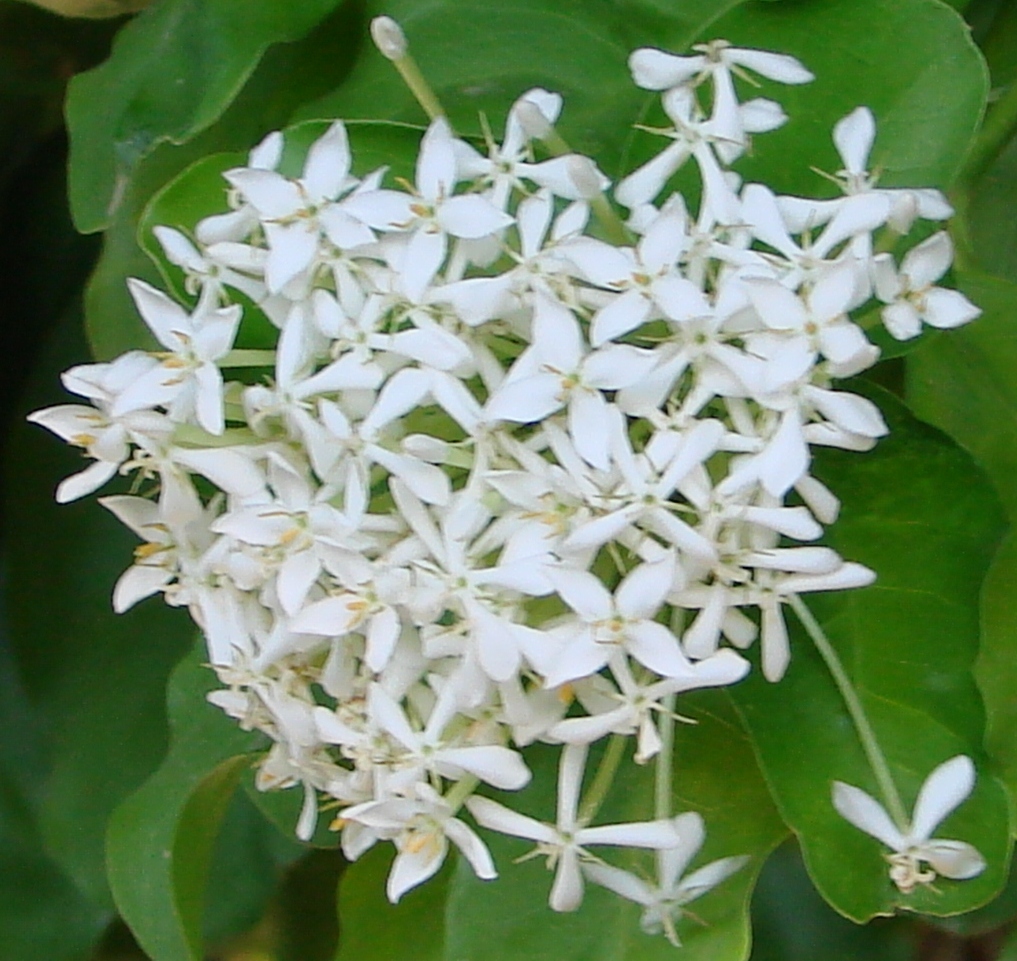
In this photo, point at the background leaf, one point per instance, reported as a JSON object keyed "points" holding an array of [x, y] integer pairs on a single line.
{"points": [[173, 71], [160, 840]]}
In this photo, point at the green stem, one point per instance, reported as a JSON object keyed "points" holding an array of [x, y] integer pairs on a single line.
{"points": [[663, 785], [866, 735], [614, 226], [419, 87], [462, 790], [997, 131], [248, 358], [603, 779]]}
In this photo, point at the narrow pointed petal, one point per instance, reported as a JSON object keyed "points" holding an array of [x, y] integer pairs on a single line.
{"points": [[567, 890], [495, 765], [496, 817], [867, 814], [953, 859], [943, 790], [853, 136]]}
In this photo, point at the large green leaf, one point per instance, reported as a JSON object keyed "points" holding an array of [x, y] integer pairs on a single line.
{"points": [[96, 680], [966, 385], [174, 69], [371, 929], [516, 46], [287, 75], [160, 840], [715, 774], [43, 916], [791, 922], [912, 62], [920, 513]]}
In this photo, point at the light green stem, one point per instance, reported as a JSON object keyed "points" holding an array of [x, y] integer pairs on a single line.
{"points": [[997, 131], [248, 358], [419, 87], [462, 790], [603, 779], [663, 785], [607, 216], [866, 735]]}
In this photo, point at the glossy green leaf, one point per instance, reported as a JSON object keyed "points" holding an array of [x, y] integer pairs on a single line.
{"points": [[160, 840], [43, 916], [306, 908], [715, 774], [991, 223], [173, 70], [96, 679], [912, 62], [287, 75], [200, 190], [371, 929], [966, 384], [920, 513], [513, 47], [791, 922]]}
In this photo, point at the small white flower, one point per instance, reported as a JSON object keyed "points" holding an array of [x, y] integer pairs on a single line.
{"points": [[913, 845], [664, 900], [565, 842]]}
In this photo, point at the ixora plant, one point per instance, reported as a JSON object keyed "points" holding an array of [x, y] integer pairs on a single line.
{"points": [[529, 462]]}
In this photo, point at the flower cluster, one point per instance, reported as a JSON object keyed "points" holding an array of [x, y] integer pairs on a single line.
{"points": [[510, 475]]}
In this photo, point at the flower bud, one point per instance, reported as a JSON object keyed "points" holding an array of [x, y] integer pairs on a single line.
{"points": [[389, 38]]}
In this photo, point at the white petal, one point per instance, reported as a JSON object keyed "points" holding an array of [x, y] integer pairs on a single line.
{"points": [[471, 216], [867, 814], [948, 308], [413, 867], [953, 859], [472, 847], [498, 766], [853, 136], [496, 817], [642, 592], [943, 790], [567, 890]]}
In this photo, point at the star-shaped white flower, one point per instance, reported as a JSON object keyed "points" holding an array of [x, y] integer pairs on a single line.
{"points": [[913, 845], [565, 842], [664, 900]]}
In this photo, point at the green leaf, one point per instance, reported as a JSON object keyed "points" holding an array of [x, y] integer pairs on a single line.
{"points": [[173, 70], [992, 227], [160, 840], [912, 62], [371, 929], [716, 774], [512, 47], [964, 384], [43, 916], [307, 916], [791, 922], [918, 512], [287, 75], [96, 680]]}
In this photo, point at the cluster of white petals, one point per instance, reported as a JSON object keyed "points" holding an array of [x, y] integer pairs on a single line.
{"points": [[502, 481]]}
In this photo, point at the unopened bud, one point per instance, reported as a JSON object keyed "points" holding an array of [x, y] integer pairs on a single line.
{"points": [[389, 38], [585, 176], [531, 118]]}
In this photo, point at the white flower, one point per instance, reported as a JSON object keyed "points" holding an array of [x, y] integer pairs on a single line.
{"points": [[564, 841], [911, 293], [913, 844], [663, 901]]}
